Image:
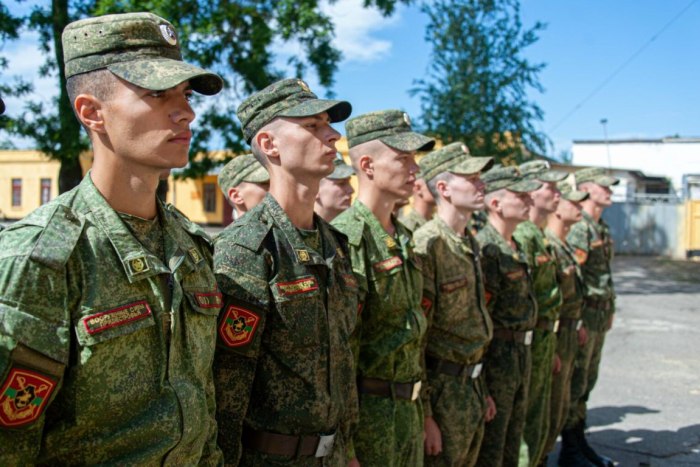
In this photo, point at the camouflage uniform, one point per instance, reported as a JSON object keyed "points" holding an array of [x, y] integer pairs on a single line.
{"points": [[241, 169], [412, 220], [110, 339]]}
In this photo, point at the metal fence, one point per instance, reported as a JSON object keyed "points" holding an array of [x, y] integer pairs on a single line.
{"points": [[646, 227]]}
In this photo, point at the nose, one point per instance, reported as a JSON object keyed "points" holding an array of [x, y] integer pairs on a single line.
{"points": [[333, 135], [349, 190], [413, 166], [183, 112]]}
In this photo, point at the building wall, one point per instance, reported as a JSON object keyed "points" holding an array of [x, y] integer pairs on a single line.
{"points": [[189, 197]]}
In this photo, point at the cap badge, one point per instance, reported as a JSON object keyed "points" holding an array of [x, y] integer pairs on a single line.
{"points": [[464, 149], [168, 34], [406, 119], [304, 86]]}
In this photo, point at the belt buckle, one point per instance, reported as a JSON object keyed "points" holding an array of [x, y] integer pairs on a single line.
{"points": [[556, 326], [527, 339], [416, 390], [325, 445], [477, 370], [579, 324]]}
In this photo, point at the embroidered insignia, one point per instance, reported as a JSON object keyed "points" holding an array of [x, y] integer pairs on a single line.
{"points": [[425, 304], [542, 259], [390, 242], [209, 299], [303, 255], [597, 244], [305, 284], [387, 264], [581, 256], [23, 397], [168, 34], [451, 286], [116, 317], [488, 296], [304, 86], [138, 265], [194, 254], [238, 326], [350, 281], [514, 275]]}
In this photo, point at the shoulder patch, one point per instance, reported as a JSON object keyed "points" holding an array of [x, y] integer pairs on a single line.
{"points": [[23, 396], [581, 256], [249, 235], [58, 238], [238, 326]]}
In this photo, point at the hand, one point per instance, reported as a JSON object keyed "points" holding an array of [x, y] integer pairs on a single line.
{"points": [[556, 366], [610, 322], [582, 336], [490, 409], [433, 437], [354, 462]]}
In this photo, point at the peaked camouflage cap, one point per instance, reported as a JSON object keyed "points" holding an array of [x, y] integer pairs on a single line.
{"points": [[597, 175], [140, 48], [2, 106], [542, 171], [286, 98], [452, 158], [342, 170], [508, 178], [569, 193], [240, 169], [391, 127]]}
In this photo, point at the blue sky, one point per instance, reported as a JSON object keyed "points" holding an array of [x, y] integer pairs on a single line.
{"points": [[656, 95]]}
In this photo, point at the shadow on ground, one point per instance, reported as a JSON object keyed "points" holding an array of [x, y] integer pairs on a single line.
{"points": [[654, 275]]}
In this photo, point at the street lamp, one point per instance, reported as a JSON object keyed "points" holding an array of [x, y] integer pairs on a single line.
{"points": [[604, 122]]}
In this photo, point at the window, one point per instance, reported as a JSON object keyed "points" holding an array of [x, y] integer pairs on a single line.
{"points": [[16, 192], [45, 194], [209, 197]]}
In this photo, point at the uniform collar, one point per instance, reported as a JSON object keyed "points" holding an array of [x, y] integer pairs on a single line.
{"points": [[386, 245], [495, 237]]}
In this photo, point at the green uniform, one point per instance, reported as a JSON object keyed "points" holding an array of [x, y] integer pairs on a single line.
{"points": [[507, 365], [459, 330], [413, 220], [543, 265], [390, 330], [106, 347], [284, 364], [571, 286], [593, 248]]}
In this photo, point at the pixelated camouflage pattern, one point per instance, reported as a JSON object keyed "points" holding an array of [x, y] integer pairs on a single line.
{"points": [[391, 127], [569, 193], [389, 334], [542, 171], [568, 276], [596, 175], [585, 375], [459, 330], [141, 48], [136, 392], [509, 178], [240, 169], [477, 222], [412, 219], [453, 158], [341, 170], [286, 98], [296, 375]]}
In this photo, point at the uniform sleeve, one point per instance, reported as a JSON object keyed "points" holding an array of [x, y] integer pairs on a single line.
{"points": [[242, 278], [426, 251], [492, 278], [579, 241]]}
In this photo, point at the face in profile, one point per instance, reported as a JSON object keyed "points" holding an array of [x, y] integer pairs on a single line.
{"points": [[515, 206], [546, 198], [466, 192], [394, 172]]}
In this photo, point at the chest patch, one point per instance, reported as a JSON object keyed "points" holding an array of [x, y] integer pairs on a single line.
{"points": [[451, 286], [23, 397], [116, 317], [542, 259], [209, 299], [350, 281], [388, 264], [515, 275], [238, 326], [305, 284]]}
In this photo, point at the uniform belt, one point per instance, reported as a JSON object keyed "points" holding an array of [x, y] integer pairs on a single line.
{"points": [[570, 323], [597, 303], [287, 445], [452, 368], [548, 324], [380, 387], [519, 337]]}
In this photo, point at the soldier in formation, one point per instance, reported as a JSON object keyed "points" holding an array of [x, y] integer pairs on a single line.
{"points": [[244, 183], [335, 191]]}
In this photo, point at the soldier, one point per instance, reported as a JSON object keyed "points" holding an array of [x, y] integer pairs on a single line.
{"points": [[108, 303], [590, 238], [543, 267], [423, 206], [244, 182], [391, 323], [571, 333], [335, 191], [455, 400], [513, 309], [284, 366]]}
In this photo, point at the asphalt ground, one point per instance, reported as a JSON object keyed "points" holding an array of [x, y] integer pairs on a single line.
{"points": [[645, 408]]}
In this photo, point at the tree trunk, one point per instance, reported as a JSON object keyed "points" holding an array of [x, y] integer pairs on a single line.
{"points": [[70, 174]]}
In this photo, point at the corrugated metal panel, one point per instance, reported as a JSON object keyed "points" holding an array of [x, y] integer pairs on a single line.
{"points": [[645, 228]]}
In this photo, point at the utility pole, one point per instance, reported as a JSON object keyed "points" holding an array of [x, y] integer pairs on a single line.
{"points": [[604, 122]]}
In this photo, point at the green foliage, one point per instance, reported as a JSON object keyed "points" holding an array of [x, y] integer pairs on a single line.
{"points": [[478, 83]]}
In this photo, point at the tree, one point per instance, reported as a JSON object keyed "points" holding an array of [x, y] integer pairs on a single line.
{"points": [[478, 80], [233, 38]]}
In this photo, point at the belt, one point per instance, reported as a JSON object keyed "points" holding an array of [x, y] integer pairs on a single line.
{"points": [[570, 323], [519, 337], [380, 387], [597, 303], [452, 368], [288, 445], [548, 324]]}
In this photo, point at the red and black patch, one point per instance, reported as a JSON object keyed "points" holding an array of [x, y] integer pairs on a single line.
{"points": [[305, 284], [451, 286], [116, 317], [238, 326], [426, 304], [515, 275], [24, 396], [581, 256], [388, 264], [209, 299], [542, 259]]}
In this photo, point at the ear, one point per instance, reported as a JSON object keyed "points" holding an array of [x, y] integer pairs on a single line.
{"points": [[495, 204], [235, 196], [267, 144], [89, 111], [366, 165], [443, 189]]}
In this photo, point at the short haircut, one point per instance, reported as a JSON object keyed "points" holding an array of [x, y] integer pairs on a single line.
{"points": [[432, 184], [498, 194], [369, 147], [99, 83], [259, 156]]}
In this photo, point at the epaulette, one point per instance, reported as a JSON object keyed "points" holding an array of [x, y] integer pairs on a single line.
{"points": [[189, 226], [491, 250], [351, 227], [250, 231], [60, 234]]}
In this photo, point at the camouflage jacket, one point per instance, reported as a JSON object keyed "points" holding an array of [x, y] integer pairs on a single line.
{"points": [[570, 280], [94, 368], [284, 363], [593, 248], [507, 281], [412, 219], [391, 323], [542, 259]]}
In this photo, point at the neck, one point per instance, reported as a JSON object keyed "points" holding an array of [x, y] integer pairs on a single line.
{"points": [[296, 198], [380, 206], [538, 217], [127, 189], [558, 227], [457, 220], [325, 213], [592, 209], [505, 227], [425, 210]]}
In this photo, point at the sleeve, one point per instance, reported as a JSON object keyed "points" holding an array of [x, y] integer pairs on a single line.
{"points": [[242, 278], [490, 270], [426, 252], [579, 242]]}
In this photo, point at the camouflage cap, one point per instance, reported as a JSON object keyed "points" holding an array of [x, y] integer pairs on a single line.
{"points": [[569, 193], [508, 178], [2, 106], [286, 98], [391, 127], [240, 169], [342, 170], [597, 175], [542, 171], [140, 48], [452, 158]]}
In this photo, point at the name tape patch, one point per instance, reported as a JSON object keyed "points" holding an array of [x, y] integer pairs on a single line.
{"points": [[388, 264], [542, 259], [305, 284], [238, 326], [514, 275], [116, 317], [24, 396], [451, 286], [209, 299]]}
